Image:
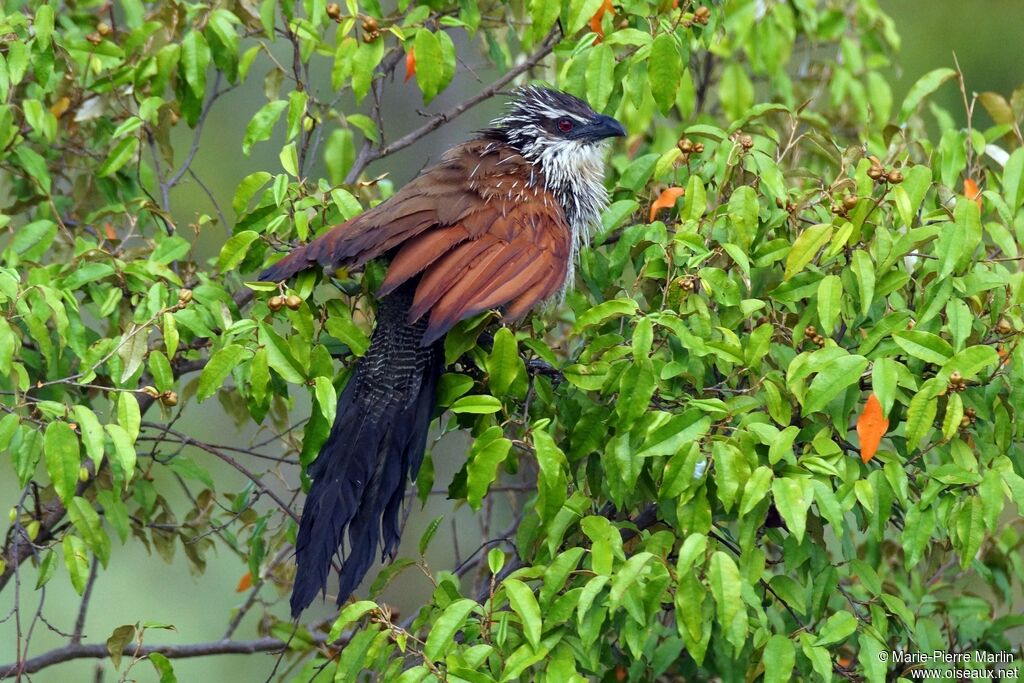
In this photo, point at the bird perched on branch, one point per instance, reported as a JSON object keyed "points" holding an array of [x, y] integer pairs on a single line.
{"points": [[497, 224]]}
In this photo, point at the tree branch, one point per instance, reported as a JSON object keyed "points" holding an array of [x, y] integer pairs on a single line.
{"points": [[99, 651], [438, 120]]}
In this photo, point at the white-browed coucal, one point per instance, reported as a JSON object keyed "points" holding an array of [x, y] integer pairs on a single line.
{"points": [[497, 224]]}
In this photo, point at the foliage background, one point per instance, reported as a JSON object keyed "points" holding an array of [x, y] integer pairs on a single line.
{"points": [[139, 586]]}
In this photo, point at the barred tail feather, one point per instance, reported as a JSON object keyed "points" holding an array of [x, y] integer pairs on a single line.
{"points": [[375, 447]]}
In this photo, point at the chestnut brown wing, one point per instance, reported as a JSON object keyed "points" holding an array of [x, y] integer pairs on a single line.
{"points": [[444, 194], [507, 254]]}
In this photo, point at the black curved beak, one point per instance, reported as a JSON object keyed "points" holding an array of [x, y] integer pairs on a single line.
{"points": [[603, 127]]}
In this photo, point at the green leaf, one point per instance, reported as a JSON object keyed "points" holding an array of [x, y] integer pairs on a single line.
{"points": [[524, 603], [326, 398], [778, 659], [793, 496], [727, 588], [743, 208], [195, 58], [971, 361], [503, 363], [837, 628], [92, 433], [262, 124], [429, 64], [924, 87], [76, 559], [830, 293], [806, 247], [756, 488], [478, 404], [122, 153], [352, 613], [552, 479], [118, 641], [217, 369], [87, 523], [163, 667], [61, 450], [833, 379], [234, 250], [605, 311], [246, 189], [929, 347], [664, 69], [600, 76], [278, 355], [123, 455], [442, 635], [864, 271], [489, 450]]}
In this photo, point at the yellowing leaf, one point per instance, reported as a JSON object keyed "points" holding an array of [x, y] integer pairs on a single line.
{"points": [[666, 200], [871, 427], [972, 191], [410, 63]]}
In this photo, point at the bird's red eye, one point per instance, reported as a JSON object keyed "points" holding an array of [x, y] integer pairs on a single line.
{"points": [[565, 125]]}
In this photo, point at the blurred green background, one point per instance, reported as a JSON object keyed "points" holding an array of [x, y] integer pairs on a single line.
{"points": [[986, 36]]}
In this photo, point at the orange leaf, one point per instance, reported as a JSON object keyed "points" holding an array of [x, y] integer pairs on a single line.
{"points": [[666, 200], [871, 427], [245, 583], [410, 64], [972, 191], [595, 21]]}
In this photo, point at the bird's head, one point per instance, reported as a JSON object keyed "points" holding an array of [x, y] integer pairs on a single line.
{"points": [[540, 119]]}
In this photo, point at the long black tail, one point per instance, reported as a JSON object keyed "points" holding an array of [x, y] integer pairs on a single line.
{"points": [[376, 445]]}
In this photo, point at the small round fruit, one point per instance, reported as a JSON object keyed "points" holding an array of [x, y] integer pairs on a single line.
{"points": [[698, 147], [850, 202], [1004, 326], [702, 15], [334, 11], [103, 28], [170, 399], [895, 177], [184, 296], [955, 377], [276, 303], [83, 475], [32, 529], [685, 145], [293, 302], [876, 172]]}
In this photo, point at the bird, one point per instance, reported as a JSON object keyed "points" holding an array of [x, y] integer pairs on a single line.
{"points": [[497, 223]]}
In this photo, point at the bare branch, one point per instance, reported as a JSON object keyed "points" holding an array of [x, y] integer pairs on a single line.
{"points": [[99, 651]]}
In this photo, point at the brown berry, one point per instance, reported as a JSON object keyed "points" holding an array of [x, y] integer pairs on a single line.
{"points": [[276, 303], [94, 38], [169, 398], [685, 145], [702, 15], [810, 331], [184, 296], [970, 412], [955, 377], [698, 147], [747, 142], [850, 202], [965, 422], [876, 172], [370, 36], [910, 324], [334, 11], [819, 340], [370, 24], [895, 177], [293, 302], [1004, 326]]}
